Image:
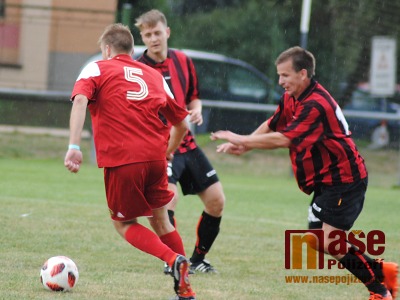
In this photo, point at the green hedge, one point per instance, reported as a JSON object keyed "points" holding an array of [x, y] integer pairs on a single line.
{"points": [[36, 111]]}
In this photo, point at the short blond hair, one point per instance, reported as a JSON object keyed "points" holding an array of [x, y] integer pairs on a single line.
{"points": [[119, 37], [151, 18]]}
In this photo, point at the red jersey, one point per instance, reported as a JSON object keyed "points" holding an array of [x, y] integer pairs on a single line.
{"points": [[125, 99], [322, 150], [179, 72]]}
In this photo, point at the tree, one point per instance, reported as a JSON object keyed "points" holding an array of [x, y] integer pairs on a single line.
{"points": [[256, 31], [253, 32], [357, 22]]}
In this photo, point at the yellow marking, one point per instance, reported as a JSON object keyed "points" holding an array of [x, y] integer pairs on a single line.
{"points": [[356, 232]]}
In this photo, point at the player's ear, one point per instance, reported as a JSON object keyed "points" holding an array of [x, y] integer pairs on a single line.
{"points": [[304, 73], [168, 30], [108, 51]]}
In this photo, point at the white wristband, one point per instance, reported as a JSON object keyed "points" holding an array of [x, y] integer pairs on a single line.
{"points": [[75, 147]]}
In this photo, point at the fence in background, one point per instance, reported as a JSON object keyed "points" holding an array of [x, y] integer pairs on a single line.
{"points": [[51, 109]]}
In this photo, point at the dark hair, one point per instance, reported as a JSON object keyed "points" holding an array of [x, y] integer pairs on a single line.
{"points": [[301, 59], [119, 37]]}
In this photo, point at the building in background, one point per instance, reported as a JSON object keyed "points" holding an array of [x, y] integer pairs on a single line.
{"points": [[43, 43]]}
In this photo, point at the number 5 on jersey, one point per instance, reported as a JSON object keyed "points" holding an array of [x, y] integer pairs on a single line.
{"points": [[131, 75]]}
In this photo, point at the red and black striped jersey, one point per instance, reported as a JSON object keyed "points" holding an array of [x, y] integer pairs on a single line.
{"points": [[322, 150], [179, 72]]}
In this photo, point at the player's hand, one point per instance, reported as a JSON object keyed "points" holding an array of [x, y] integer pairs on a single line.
{"points": [[235, 144], [73, 160], [195, 117], [170, 156], [230, 148]]}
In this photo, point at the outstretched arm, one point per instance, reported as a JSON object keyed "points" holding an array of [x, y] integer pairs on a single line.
{"points": [[262, 138], [271, 140]]}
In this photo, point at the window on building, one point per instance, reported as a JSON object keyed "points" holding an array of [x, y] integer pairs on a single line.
{"points": [[9, 34]]}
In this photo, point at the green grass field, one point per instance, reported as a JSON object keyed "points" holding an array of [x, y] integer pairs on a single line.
{"points": [[47, 211]]}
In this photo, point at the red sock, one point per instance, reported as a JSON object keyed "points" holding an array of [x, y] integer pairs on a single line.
{"points": [[147, 241], [174, 241]]}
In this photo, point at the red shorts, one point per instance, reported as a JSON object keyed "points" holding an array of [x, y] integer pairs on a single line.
{"points": [[134, 190]]}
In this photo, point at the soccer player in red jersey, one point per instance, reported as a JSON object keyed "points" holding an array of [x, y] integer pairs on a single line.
{"points": [[325, 161], [190, 167], [132, 145]]}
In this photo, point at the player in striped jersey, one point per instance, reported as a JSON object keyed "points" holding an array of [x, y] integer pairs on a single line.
{"points": [[190, 167], [325, 162]]}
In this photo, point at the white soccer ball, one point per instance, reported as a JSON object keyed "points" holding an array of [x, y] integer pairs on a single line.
{"points": [[59, 274]]}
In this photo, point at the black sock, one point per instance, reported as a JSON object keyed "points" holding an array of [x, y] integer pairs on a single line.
{"points": [[364, 268], [207, 231], [315, 225], [171, 214]]}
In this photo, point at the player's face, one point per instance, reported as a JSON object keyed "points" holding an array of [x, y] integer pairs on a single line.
{"points": [[155, 38], [293, 82]]}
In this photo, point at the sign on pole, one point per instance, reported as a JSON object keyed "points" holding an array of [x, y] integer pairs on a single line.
{"points": [[383, 66]]}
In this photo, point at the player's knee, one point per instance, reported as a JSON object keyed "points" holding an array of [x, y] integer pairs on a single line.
{"points": [[215, 207], [221, 203], [161, 226], [172, 204], [121, 227]]}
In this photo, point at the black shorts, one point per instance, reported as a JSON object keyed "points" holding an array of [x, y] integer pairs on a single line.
{"points": [[192, 170], [339, 205]]}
